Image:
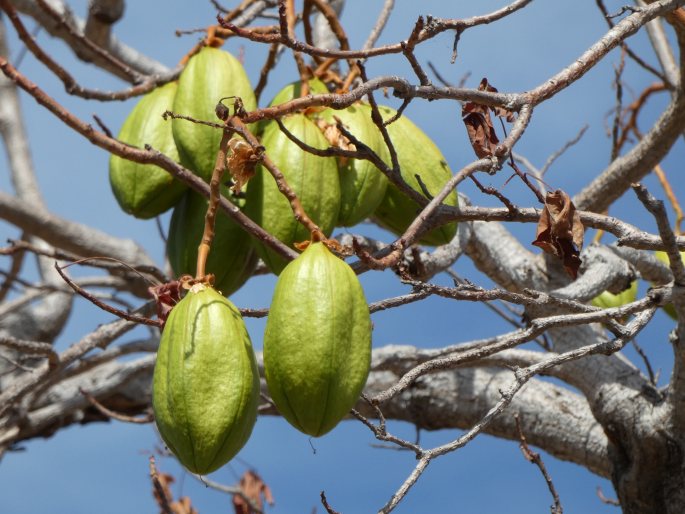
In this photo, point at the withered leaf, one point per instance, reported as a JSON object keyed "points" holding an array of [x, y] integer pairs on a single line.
{"points": [[255, 489], [479, 125], [335, 138], [181, 506], [166, 295], [500, 112], [560, 231], [479, 129], [241, 162], [165, 480]]}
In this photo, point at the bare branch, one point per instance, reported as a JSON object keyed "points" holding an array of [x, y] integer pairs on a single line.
{"points": [[534, 458], [640, 160], [62, 23]]}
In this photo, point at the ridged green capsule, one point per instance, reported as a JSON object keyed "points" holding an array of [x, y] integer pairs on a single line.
{"points": [[314, 180], [417, 154], [205, 389], [145, 190], [209, 76], [317, 343], [290, 92], [607, 300], [232, 258], [294, 90], [362, 184]]}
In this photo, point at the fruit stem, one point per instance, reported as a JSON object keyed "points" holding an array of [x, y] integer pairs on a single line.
{"points": [[210, 217]]}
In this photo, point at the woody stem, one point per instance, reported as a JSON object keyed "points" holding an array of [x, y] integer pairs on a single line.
{"points": [[214, 195]]}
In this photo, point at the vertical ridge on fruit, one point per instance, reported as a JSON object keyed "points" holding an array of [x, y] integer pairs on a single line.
{"points": [[362, 184], [209, 76], [317, 342], [232, 258], [417, 155], [314, 180], [205, 383], [145, 190]]}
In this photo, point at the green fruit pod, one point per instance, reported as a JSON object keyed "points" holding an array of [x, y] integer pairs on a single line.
{"points": [[608, 300], [294, 90], [362, 184], [663, 257], [290, 92], [417, 154], [205, 389], [145, 190], [317, 343], [314, 180], [232, 258], [209, 76]]}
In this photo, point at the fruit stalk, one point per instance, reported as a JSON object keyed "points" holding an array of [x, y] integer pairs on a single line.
{"points": [[214, 195]]}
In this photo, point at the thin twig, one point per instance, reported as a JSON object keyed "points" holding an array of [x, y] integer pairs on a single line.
{"points": [[264, 73], [672, 198], [117, 312], [605, 500], [571, 142], [626, 48], [379, 25], [326, 506], [534, 458], [149, 418], [160, 492]]}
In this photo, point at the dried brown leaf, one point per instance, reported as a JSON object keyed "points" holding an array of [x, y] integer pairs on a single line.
{"points": [[242, 162], [166, 295], [560, 231], [479, 129], [500, 112], [335, 138], [479, 125], [182, 506], [255, 489], [162, 494]]}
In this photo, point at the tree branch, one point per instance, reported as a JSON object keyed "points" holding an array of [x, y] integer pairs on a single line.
{"points": [[642, 158], [57, 27], [554, 418]]}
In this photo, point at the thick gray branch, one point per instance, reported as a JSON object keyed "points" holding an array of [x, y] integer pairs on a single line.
{"points": [[500, 256], [102, 14], [662, 49], [322, 34], [68, 235], [602, 271], [131, 57], [41, 320], [14, 136], [555, 419]]}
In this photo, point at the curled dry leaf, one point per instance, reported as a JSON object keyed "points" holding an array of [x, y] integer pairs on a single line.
{"points": [[335, 137], [560, 231], [241, 162], [479, 125], [166, 295], [255, 489], [182, 506]]}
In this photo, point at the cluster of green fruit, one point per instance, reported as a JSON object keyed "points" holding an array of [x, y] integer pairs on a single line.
{"points": [[317, 353], [317, 343], [333, 191]]}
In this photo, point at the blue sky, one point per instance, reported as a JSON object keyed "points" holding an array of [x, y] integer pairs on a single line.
{"points": [[104, 467]]}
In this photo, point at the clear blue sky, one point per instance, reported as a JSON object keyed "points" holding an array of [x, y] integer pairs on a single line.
{"points": [[103, 467]]}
